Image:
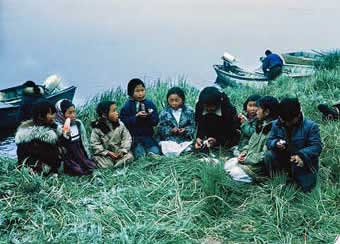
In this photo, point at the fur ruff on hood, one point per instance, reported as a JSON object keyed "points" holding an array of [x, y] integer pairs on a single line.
{"points": [[28, 132]]}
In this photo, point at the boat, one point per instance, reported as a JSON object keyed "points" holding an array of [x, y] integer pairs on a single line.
{"points": [[10, 100], [230, 72], [301, 57]]}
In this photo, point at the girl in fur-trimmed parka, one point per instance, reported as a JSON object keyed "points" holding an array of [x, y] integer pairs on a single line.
{"points": [[37, 140], [78, 157], [176, 122], [249, 165], [110, 139]]}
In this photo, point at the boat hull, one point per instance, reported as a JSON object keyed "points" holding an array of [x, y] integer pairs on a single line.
{"points": [[257, 78], [9, 111], [229, 78]]}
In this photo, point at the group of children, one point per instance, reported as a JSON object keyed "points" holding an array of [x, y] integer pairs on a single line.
{"points": [[269, 135]]}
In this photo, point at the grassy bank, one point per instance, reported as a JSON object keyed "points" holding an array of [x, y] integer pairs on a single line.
{"points": [[179, 200]]}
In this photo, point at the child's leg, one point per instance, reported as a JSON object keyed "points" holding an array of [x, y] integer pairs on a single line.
{"points": [[139, 150], [153, 150], [127, 158], [304, 178], [151, 146], [274, 163], [104, 161]]}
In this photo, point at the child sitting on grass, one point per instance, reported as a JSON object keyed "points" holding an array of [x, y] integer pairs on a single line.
{"points": [[37, 140], [294, 145], [140, 117], [249, 164], [216, 120], [248, 120], [110, 140], [78, 158], [177, 123]]}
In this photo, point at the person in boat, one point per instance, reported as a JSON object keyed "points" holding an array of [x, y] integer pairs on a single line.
{"points": [[78, 157], [272, 65], [248, 119], [30, 94], [330, 112], [176, 123], [140, 116], [216, 121], [249, 164], [110, 139], [38, 140], [294, 145]]}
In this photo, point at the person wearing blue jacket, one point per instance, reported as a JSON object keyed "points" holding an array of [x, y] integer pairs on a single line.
{"points": [[272, 65], [294, 145], [140, 116]]}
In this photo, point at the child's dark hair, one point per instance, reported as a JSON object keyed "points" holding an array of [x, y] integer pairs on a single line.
{"points": [[65, 104], [176, 90], [289, 108], [132, 85], [29, 83], [211, 96], [101, 123], [270, 103], [104, 108], [252, 98], [40, 110], [35, 87], [268, 52]]}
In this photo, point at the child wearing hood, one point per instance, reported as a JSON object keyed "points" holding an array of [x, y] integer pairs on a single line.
{"points": [[38, 140], [216, 120], [78, 158], [110, 139]]}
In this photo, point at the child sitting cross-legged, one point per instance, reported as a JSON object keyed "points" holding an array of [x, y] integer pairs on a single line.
{"points": [[294, 146], [248, 166], [216, 121], [77, 160], [110, 140], [38, 140], [177, 124], [140, 116]]}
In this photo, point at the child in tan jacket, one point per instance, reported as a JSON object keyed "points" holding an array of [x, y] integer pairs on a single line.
{"points": [[110, 139]]}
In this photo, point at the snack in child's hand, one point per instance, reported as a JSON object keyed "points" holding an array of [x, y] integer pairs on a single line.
{"points": [[67, 125]]}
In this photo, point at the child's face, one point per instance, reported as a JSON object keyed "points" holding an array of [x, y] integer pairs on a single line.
{"points": [[113, 113], [50, 118], [70, 113], [210, 108], [251, 108], [175, 101], [260, 113], [139, 93]]}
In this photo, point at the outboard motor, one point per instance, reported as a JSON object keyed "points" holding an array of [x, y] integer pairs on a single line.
{"points": [[228, 59], [53, 83]]}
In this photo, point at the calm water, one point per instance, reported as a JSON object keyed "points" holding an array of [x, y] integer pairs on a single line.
{"points": [[96, 45]]}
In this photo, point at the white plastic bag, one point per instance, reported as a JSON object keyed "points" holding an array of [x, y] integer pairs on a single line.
{"points": [[171, 148]]}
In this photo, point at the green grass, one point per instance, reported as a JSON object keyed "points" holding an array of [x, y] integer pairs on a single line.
{"points": [[179, 200]]}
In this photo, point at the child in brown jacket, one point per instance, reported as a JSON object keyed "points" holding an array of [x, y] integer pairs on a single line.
{"points": [[110, 139]]}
